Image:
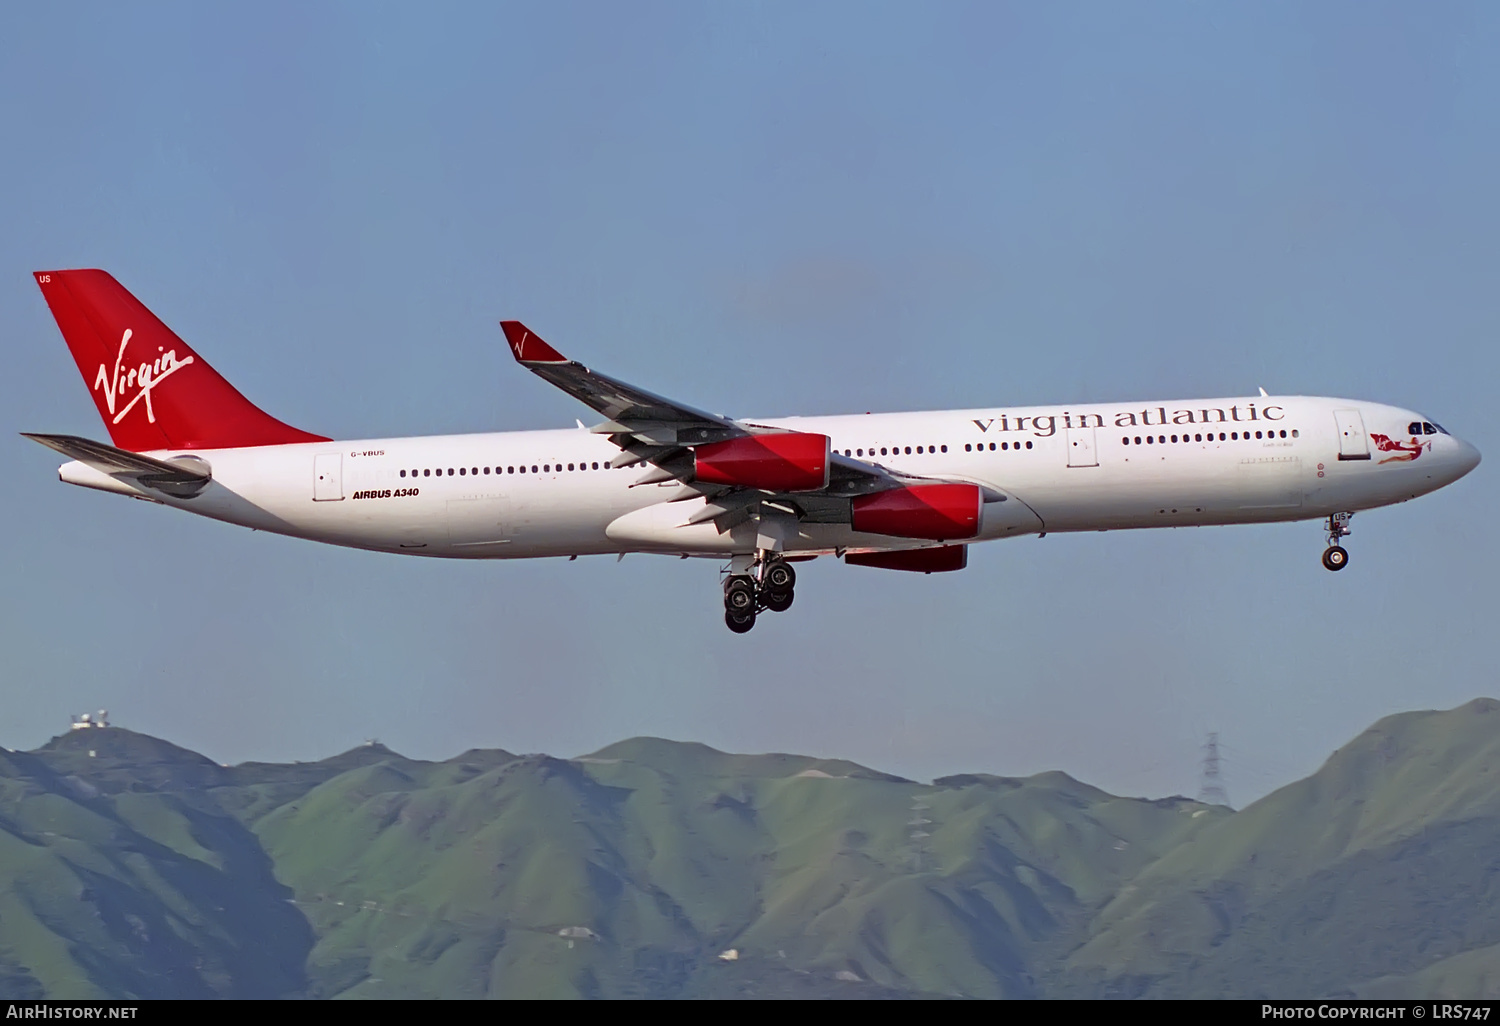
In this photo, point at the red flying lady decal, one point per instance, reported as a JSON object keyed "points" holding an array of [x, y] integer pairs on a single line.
{"points": [[1402, 453]]}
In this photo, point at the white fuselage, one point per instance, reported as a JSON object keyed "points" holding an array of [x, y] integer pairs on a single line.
{"points": [[1080, 468]]}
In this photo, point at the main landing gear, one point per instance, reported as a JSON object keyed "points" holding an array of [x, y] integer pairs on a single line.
{"points": [[745, 595], [1335, 557]]}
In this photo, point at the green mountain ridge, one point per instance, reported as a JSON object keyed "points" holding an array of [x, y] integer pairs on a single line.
{"points": [[130, 867]]}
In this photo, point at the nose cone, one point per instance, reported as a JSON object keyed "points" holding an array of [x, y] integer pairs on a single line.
{"points": [[1468, 458]]}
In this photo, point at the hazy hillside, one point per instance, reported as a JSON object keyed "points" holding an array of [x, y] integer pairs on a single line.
{"points": [[129, 866], [1382, 863]]}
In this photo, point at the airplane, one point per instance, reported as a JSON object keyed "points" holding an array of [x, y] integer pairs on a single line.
{"points": [[900, 491]]}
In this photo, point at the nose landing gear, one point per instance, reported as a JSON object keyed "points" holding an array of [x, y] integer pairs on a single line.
{"points": [[1335, 557], [745, 596]]}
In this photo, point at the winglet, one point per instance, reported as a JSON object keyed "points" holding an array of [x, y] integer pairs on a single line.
{"points": [[527, 346]]}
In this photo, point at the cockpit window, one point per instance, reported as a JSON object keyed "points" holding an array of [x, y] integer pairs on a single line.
{"points": [[1414, 428], [1430, 429], [1441, 430]]}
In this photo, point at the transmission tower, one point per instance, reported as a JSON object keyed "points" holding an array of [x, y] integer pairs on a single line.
{"points": [[918, 832], [1211, 785]]}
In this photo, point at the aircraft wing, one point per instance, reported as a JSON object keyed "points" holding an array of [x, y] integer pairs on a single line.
{"points": [[180, 479], [658, 430], [634, 412], [654, 430]]}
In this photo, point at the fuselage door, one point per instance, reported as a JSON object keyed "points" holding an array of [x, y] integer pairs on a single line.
{"points": [[328, 476], [1354, 444], [1081, 451]]}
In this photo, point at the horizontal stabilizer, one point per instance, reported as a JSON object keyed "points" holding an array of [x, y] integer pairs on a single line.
{"points": [[184, 478]]}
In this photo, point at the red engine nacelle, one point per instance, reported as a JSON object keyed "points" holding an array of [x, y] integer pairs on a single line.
{"points": [[941, 512], [791, 462], [922, 561]]}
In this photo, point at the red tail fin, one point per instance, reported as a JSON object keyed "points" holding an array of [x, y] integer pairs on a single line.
{"points": [[152, 390]]}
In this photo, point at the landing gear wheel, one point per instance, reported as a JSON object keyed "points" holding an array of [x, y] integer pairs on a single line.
{"points": [[779, 601], [778, 577], [740, 623], [1335, 558], [739, 597]]}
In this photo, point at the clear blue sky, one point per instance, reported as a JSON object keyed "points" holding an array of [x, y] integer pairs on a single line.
{"points": [[762, 209]]}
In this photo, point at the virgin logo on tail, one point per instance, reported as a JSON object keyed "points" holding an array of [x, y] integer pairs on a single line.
{"points": [[143, 379]]}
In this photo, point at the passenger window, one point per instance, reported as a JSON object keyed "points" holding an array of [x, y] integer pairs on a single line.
{"points": [[460, 471], [908, 450], [919, 450], [968, 447], [1125, 441], [426, 473], [570, 466], [1006, 445], [596, 466], [1174, 438], [403, 473], [1197, 438], [945, 448], [1028, 445], [533, 468], [882, 450], [860, 451], [992, 447], [1296, 433], [1257, 434]]}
